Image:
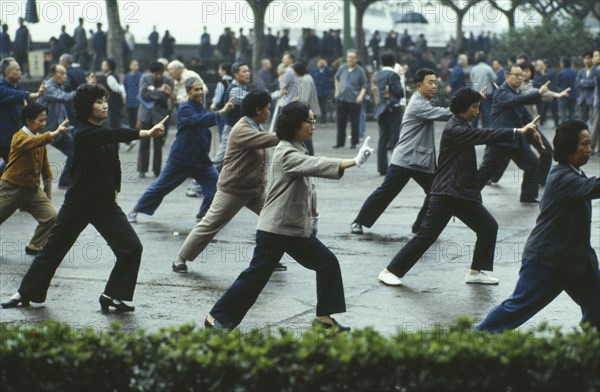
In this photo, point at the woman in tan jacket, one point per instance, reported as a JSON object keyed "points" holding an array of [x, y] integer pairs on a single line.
{"points": [[285, 225], [20, 184]]}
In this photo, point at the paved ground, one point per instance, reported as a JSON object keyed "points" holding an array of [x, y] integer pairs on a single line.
{"points": [[433, 291]]}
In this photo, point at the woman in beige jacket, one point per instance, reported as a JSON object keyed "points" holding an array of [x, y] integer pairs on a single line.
{"points": [[286, 225]]}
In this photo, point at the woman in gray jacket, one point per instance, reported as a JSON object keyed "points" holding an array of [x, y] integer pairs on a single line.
{"points": [[286, 225]]}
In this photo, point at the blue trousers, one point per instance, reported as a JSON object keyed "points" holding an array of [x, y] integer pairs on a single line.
{"points": [[537, 286], [310, 252], [566, 109], [173, 175]]}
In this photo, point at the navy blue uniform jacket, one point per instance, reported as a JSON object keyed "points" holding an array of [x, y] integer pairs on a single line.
{"points": [[561, 237]]}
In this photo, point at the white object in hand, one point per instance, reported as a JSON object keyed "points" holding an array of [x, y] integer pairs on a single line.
{"points": [[364, 153]]}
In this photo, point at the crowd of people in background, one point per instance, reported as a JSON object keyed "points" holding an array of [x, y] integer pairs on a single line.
{"points": [[313, 81]]}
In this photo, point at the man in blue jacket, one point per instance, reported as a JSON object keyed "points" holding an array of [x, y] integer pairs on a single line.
{"points": [[508, 111], [586, 80], [189, 154], [558, 255], [566, 79], [11, 104]]}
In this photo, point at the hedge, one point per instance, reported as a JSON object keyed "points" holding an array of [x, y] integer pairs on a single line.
{"points": [[53, 356]]}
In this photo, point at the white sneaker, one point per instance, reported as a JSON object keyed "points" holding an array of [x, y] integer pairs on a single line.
{"points": [[388, 278], [480, 278]]}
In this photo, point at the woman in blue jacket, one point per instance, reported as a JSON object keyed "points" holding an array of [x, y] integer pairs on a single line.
{"points": [[558, 255]]}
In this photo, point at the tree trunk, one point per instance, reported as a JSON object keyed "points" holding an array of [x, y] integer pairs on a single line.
{"points": [[258, 51], [115, 33], [510, 15], [359, 35], [460, 44]]}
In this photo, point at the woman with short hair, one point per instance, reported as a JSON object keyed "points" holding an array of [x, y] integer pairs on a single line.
{"points": [[91, 199], [558, 255], [285, 225]]}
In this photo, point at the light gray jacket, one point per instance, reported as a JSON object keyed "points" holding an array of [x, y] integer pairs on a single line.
{"points": [[291, 196], [416, 148]]}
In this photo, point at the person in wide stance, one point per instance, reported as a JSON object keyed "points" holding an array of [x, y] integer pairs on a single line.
{"points": [[558, 255], [285, 225], [455, 192], [91, 198]]}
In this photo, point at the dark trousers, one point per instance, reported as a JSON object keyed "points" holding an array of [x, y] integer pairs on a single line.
{"points": [[544, 161], [64, 144], [395, 180], [441, 209], [144, 151], [309, 252], [566, 109], [494, 160], [323, 107], [347, 110], [389, 128], [537, 286], [72, 219], [171, 177], [132, 117]]}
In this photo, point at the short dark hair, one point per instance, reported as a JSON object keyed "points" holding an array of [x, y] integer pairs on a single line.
{"points": [[565, 61], [421, 73], [226, 67], [530, 67], [290, 118], [300, 69], [588, 53], [235, 67], [112, 64], [464, 98], [566, 139], [255, 99], [84, 99], [31, 111], [290, 55], [388, 59], [157, 67]]}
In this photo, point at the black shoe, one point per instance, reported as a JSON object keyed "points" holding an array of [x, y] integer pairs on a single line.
{"points": [[280, 267], [335, 325], [106, 303], [31, 252], [179, 268], [13, 303], [336, 146], [200, 216], [530, 201], [216, 325]]}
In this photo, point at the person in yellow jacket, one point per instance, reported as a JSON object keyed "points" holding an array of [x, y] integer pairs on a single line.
{"points": [[20, 183]]}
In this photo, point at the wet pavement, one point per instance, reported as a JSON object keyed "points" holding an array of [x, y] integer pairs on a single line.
{"points": [[433, 292]]}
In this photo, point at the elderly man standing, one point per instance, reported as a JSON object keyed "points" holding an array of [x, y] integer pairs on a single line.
{"points": [[235, 93], [179, 74], [56, 101], [11, 104], [482, 75], [155, 91], [350, 88]]}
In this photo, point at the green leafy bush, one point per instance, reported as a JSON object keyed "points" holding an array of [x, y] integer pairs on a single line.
{"points": [[57, 357]]}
